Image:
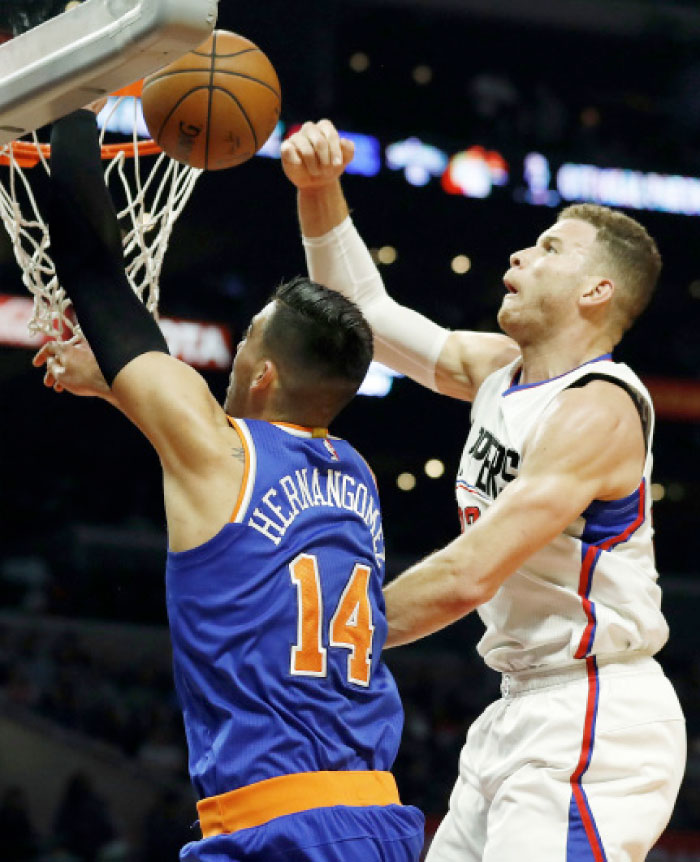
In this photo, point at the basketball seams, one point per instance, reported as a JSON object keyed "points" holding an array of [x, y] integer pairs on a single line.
{"points": [[165, 73], [218, 136], [244, 112], [218, 72], [220, 56], [210, 100], [213, 88]]}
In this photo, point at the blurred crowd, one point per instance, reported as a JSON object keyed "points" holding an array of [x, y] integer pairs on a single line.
{"points": [[84, 830], [132, 709]]}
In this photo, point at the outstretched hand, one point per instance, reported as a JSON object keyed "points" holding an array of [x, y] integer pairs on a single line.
{"points": [[72, 368], [316, 155]]}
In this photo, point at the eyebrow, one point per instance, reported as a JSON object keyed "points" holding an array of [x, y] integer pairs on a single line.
{"points": [[550, 238]]}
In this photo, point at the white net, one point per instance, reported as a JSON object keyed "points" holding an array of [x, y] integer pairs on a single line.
{"points": [[155, 190]]}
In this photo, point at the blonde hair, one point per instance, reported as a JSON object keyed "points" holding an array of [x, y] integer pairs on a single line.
{"points": [[630, 251]]}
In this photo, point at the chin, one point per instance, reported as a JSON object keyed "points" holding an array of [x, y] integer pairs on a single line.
{"points": [[504, 319]]}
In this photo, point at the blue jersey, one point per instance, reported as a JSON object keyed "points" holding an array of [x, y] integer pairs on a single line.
{"points": [[278, 622]]}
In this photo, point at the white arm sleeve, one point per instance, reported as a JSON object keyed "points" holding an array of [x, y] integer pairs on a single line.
{"points": [[403, 339]]}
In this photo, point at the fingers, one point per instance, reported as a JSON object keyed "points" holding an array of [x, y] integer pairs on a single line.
{"points": [[347, 151], [51, 382], [46, 354], [289, 154], [49, 355], [317, 149], [331, 142], [311, 149], [41, 356]]}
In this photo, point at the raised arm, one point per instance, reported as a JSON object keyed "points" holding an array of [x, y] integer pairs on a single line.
{"points": [[454, 363], [165, 398], [590, 447]]}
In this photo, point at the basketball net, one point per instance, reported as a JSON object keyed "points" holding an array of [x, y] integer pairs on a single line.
{"points": [[155, 194]]}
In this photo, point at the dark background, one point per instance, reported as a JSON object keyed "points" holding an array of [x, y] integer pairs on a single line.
{"points": [[81, 518]]}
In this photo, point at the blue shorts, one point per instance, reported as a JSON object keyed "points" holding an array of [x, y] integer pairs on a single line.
{"points": [[391, 833]]}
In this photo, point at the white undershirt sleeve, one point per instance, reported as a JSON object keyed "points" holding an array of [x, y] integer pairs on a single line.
{"points": [[404, 340]]}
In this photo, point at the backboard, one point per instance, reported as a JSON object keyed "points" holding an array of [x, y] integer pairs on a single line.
{"points": [[89, 51]]}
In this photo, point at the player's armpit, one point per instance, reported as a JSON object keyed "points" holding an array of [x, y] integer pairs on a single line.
{"points": [[467, 359], [203, 457]]}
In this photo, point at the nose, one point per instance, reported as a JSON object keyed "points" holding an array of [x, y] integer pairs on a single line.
{"points": [[516, 258]]}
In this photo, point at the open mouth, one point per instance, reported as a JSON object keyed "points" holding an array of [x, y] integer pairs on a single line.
{"points": [[509, 286]]}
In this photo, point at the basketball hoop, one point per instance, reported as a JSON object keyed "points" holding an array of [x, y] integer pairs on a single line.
{"points": [[155, 194]]}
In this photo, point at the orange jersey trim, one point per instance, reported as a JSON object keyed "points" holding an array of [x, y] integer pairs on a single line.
{"points": [[290, 794], [315, 432], [246, 469]]}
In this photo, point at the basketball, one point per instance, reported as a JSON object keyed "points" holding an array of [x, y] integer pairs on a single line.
{"points": [[216, 106]]}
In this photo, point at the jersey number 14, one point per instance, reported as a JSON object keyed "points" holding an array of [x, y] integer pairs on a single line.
{"points": [[350, 626]]}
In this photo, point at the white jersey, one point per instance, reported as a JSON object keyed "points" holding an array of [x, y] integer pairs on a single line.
{"points": [[591, 591]]}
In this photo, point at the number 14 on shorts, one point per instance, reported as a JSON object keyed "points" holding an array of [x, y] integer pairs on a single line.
{"points": [[350, 627]]}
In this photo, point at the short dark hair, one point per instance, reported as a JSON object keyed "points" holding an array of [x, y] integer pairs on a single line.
{"points": [[317, 336], [630, 250]]}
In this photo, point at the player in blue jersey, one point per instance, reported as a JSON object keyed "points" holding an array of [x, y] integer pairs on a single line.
{"points": [[276, 559]]}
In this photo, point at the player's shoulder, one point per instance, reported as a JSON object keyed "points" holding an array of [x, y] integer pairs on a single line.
{"points": [[600, 409]]}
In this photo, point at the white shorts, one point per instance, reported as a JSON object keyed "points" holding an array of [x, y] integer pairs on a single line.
{"points": [[568, 766]]}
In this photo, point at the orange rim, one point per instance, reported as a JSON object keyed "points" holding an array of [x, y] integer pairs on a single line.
{"points": [[134, 90], [27, 154]]}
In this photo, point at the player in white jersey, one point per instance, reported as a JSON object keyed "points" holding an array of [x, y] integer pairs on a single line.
{"points": [[582, 757]]}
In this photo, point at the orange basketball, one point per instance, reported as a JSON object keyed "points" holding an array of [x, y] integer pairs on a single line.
{"points": [[216, 106]]}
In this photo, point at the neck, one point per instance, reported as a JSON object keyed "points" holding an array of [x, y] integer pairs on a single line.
{"points": [[555, 356], [306, 419]]}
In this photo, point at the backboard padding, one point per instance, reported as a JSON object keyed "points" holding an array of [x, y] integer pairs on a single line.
{"points": [[90, 51]]}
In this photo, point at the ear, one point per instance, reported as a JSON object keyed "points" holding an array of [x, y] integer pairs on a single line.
{"points": [[264, 376], [598, 292]]}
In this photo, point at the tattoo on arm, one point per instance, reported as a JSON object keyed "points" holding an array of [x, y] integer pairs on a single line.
{"points": [[239, 454]]}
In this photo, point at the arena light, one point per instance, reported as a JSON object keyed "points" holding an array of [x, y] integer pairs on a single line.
{"points": [[538, 177], [406, 481], [461, 264], [368, 154], [675, 492], [617, 187], [434, 468], [658, 492], [387, 255], [359, 62], [418, 161], [379, 381], [272, 147], [422, 75], [122, 118], [474, 172]]}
